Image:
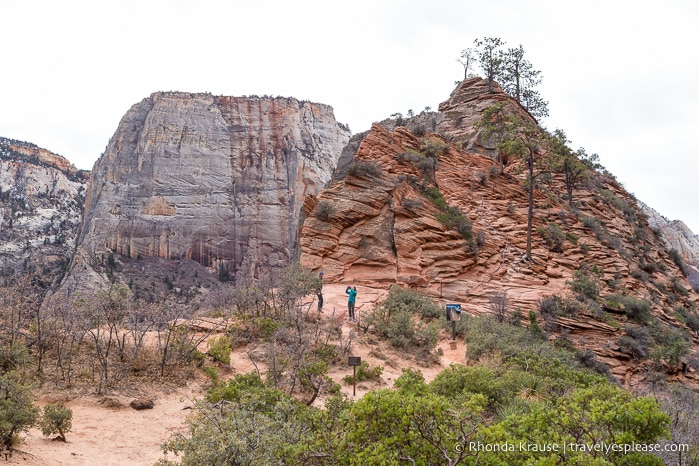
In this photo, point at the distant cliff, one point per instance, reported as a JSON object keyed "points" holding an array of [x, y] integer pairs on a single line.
{"points": [[41, 202], [679, 237], [196, 178]]}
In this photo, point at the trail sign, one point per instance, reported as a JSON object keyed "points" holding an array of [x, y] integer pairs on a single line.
{"points": [[354, 361], [453, 312]]}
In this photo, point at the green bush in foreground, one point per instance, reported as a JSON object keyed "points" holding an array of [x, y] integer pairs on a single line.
{"points": [[539, 395], [56, 420], [17, 412]]}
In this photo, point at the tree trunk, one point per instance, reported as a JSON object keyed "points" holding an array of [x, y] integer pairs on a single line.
{"points": [[530, 211]]}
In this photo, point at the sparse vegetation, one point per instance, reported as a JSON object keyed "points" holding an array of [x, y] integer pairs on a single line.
{"points": [[364, 169], [324, 210], [365, 372], [399, 320], [586, 282]]}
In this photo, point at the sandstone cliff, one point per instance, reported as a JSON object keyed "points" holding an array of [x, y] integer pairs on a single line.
{"points": [[41, 202], [677, 236], [383, 224], [217, 182]]}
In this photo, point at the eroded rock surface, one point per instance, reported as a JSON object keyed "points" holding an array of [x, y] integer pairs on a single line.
{"points": [[218, 181]]}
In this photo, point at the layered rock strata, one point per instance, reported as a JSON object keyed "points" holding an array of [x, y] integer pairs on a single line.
{"points": [[383, 223], [215, 180]]}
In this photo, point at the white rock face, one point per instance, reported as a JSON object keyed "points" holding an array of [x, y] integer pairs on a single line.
{"points": [[216, 180], [41, 203], [679, 237]]}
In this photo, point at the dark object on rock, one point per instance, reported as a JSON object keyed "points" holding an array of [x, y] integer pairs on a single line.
{"points": [[142, 403]]}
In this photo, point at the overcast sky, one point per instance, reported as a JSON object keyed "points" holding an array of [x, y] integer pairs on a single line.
{"points": [[619, 76]]}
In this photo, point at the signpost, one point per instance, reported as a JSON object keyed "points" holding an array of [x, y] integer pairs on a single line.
{"points": [[354, 362], [453, 316]]}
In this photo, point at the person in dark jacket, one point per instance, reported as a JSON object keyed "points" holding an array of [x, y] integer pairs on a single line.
{"points": [[351, 300], [319, 292]]}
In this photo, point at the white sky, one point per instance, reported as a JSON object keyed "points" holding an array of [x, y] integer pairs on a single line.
{"points": [[619, 75]]}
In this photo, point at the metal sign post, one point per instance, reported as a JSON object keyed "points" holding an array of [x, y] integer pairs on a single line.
{"points": [[354, 361]]}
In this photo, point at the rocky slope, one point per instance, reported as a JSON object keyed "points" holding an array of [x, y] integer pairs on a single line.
{"points": [[41, 202], [383, 224], [677, 236], [195, 185]]}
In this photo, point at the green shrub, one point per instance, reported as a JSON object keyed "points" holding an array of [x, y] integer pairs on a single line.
{"points": [[553, 236], [633, 346], [56, 419], [364, 372], [220, 349], [690, 317], [594, 224], [586, 282], [636, 309], [17, 412], [432, 147], [434, 195], [400, 298], [484, 335], [454, 219], [640, 275], [13, 357], [394, 319]]}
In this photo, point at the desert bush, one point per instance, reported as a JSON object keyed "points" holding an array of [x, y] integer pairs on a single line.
{"points": [[677, 287], [365, 372], [481, 177], [484, 335], [672, 343], [400, 298], [17, 412], [56, 419], [555, 305], [432, 147], [640, 275], [586, 282], [589, 359], [434, 195], [220, 349], [677, 259], [411, 204], [636, 309], [499, 304], [689, 316], [595, 225], [554, 236], [394, 319], [364, 169], [636, 341], [13, 356], [324, 210], [454, 219]]}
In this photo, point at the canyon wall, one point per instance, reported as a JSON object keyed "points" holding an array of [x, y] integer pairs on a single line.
{"points": [[218, 181]]}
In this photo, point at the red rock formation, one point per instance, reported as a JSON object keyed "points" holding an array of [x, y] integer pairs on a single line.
{"points": [[377, 227]]}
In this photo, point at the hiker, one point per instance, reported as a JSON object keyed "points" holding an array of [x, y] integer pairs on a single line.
{"points": [[319, 291], [352, 292]]}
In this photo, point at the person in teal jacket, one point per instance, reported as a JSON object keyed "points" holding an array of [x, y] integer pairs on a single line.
{"points": [[352, 292]]}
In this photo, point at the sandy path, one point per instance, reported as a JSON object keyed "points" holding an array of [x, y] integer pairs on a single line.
{"points": [[123, 436], [111, 436]]}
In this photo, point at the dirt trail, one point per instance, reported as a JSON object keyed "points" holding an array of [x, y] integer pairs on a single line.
{"points": [[118, 436]]}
